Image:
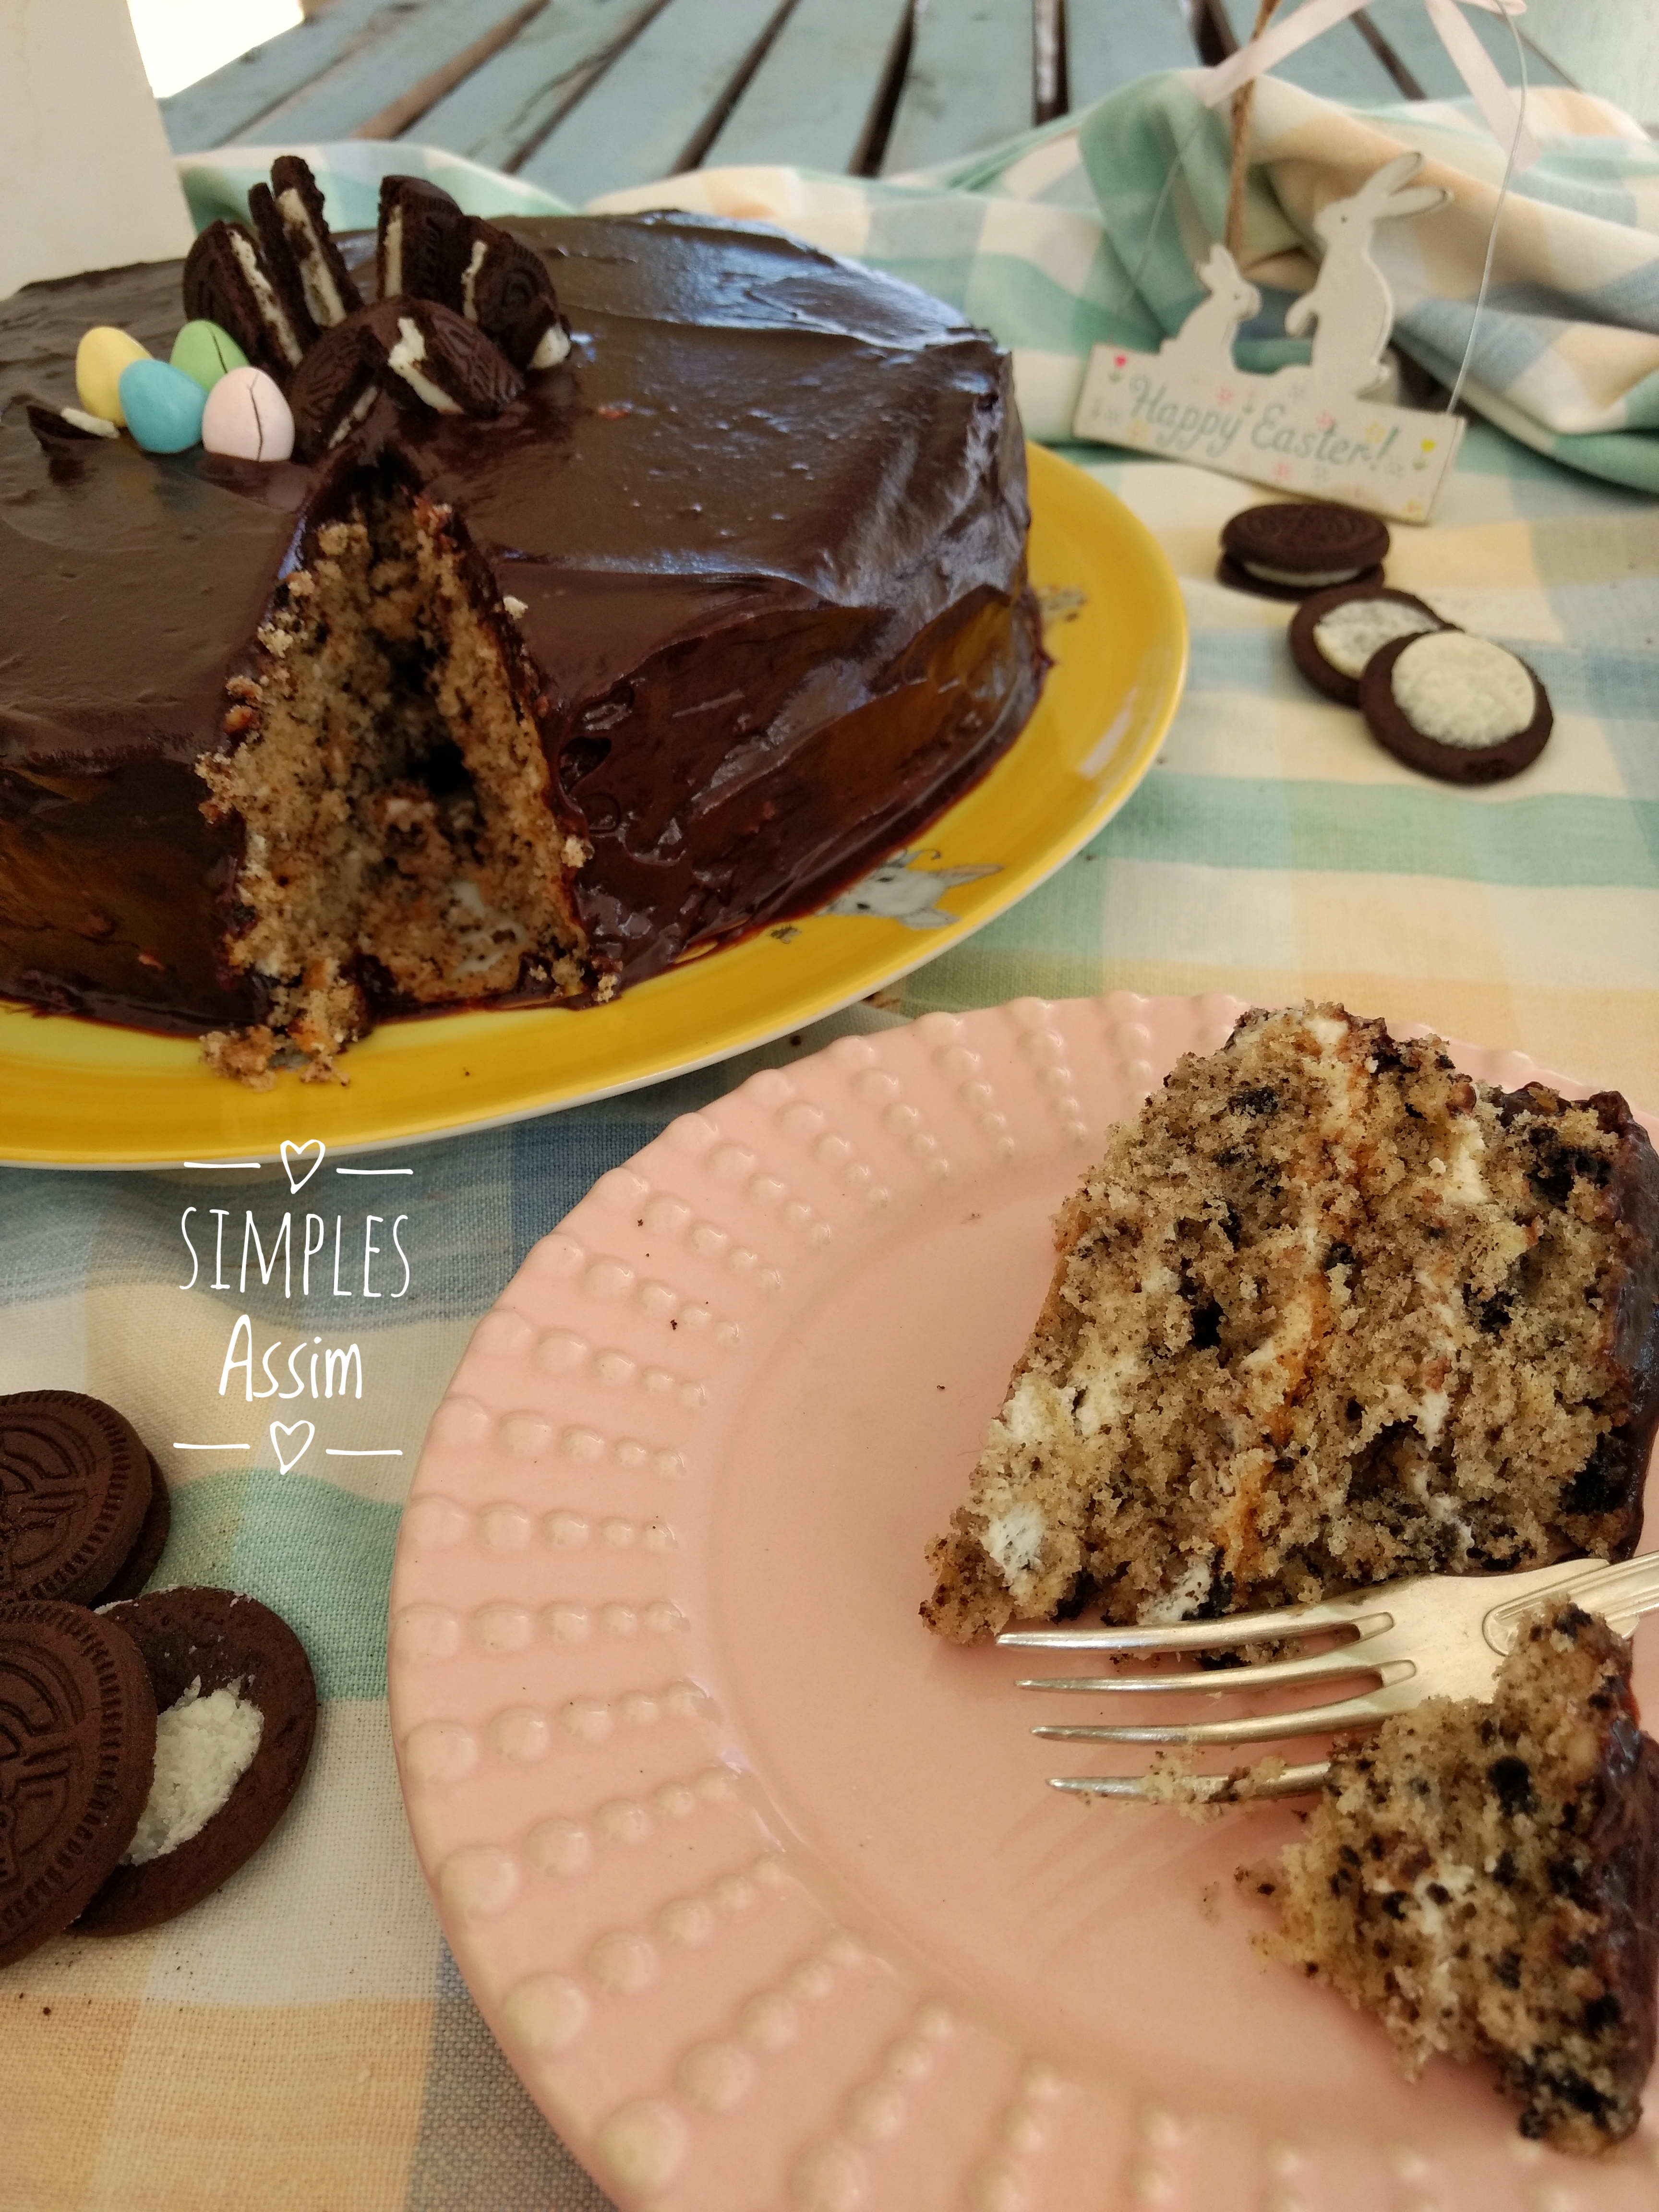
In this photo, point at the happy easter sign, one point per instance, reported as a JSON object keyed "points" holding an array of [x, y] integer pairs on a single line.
{"points": [[1307, 427], [1390, 460]]}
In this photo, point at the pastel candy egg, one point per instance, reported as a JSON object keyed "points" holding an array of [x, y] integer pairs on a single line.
{"points": [[247, 415], [206, 353], [101, 356], [163, 406]]}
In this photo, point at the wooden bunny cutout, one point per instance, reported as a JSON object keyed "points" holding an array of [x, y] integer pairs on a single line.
{"points": [[1350, 301], [1205, 340]]}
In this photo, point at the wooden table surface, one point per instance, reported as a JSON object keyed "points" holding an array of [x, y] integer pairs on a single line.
{"points": [[585, 96]]}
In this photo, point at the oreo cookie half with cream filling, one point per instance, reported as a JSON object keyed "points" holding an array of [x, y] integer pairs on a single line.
{"points": [[407, 349], [1455, 707], [506, 290], [236, 1712], [1288, 549], [330, 294], [227, 281], [422, 241], [1333, 635]]}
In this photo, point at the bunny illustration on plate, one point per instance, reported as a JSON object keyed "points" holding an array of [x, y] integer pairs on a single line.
{"points": [[1205, 341], [898, 892], [1350, 303]]}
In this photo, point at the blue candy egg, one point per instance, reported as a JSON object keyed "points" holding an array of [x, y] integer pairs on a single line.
{"points": [[162, 405]]}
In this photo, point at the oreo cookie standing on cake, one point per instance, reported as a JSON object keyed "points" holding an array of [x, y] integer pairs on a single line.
{"points": [[1333, 635], [422, 241], [226, 281], [330, 294], [506, 290], [407, 349], [1455, 707], [1289, 549], [79, 1751], [237, 1713]]}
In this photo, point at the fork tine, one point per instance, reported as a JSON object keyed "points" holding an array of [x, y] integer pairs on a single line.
{"points": [[1205, 1789], [1267, 1674], [1363, 1612], [1259, 1728]]}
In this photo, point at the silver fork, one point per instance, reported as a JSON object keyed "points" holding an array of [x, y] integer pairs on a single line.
{"points": [[1437, 1636]]}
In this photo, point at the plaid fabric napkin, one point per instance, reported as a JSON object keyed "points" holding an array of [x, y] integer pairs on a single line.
{"points": [[302, 2038]]}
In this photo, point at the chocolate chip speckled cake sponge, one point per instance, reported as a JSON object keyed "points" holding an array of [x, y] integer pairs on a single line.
{"points": [[1327, 1313]]}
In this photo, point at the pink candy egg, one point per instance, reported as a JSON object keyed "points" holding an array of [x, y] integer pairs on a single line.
{"points": [[247, 415]]}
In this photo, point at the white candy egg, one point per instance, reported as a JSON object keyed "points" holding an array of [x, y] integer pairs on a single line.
{"points": [[247, 415]]}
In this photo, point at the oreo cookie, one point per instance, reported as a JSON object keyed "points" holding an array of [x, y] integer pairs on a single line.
{"points": [[227, 281], [76, 1483], [506, 290], [230, 1677], [281, 264], [330, 294], [142, 1561], [414, 352], [1455, 707], [421, 243], [1333, 635], [1290, 549], [78, 1746]]}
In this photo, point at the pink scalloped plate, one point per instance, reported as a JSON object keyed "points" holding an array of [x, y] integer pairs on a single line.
{"points": [[759, 1884]]}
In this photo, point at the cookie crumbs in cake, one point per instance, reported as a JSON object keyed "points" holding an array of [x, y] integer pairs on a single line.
{"points": [[1328, 1313], [1484, 1878]]}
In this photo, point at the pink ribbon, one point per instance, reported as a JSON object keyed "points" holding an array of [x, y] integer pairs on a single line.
{"points": [[1474, 64]]}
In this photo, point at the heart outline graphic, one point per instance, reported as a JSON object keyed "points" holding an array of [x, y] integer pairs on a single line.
{"points": [[280, 1431], [292, 1151]]}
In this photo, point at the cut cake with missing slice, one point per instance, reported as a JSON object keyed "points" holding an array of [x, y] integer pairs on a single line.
{"points": [[1327, 1313], [1484, 1878]]}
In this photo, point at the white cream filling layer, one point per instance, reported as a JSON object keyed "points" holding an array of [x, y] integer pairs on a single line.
{"points": [[404, 359], [1351, 634], [270, 308], [323, 299], [1312, 579], [1462, 690], [203, 1746]]}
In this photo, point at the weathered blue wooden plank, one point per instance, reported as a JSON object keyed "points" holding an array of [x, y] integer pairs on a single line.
{"points": [[651, 107], [813, 97], [1405, 26], [1109, 43], [972, 80], [366, 84], [1338, 65], [518, 95], [221, 109]]}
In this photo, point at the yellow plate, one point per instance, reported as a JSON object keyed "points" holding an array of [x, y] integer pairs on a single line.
{"points": [[80, 1094]]}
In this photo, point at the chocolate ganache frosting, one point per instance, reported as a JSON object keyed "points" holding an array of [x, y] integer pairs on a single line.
{"points": [[754, 549]]}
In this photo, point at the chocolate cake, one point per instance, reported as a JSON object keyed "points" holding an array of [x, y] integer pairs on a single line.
{"points": [[1327, 1313], [509, 708], [1484, 1878]]}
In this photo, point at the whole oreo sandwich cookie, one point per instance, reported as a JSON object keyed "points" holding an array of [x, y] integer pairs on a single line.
{"points": [[236, 1713], [76, 1484], [1455, 707], [77, 1744], [142, 1561], [1289, 549], [1333, 635]]}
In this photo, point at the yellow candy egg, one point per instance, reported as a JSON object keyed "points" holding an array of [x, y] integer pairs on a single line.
{"points": [[101, 356]]}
